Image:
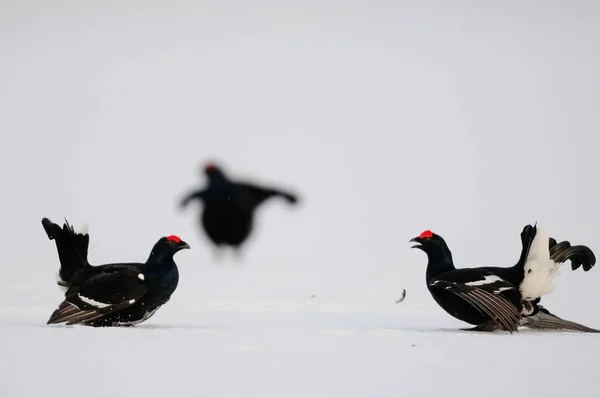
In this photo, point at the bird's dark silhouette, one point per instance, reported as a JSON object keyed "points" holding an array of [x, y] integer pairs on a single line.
{"points": [[229, 206], [503, 298], [117, 294]]}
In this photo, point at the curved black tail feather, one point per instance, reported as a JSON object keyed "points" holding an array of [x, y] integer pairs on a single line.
{"points": [[72, 248], [580, 255]]}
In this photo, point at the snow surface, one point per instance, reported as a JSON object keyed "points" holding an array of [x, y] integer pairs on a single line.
{"points": [[467, 118]]}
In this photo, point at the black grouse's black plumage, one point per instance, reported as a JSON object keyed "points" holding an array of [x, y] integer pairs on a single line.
{"points": [[118, 294], [495, 298], [228, 214], [474, 296]]}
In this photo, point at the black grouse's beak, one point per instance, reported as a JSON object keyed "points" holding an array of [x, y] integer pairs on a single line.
{"points": [[183, 245], [417, 240]]}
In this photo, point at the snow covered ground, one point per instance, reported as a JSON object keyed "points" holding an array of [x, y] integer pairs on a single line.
{"points": [[468, 118], [293, 349]]}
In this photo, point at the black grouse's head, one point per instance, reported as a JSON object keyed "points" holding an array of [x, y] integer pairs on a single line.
{"points": [[528, 232], [212, 170], [214, 173], [428, 241], [209, 168], [169, 245]]}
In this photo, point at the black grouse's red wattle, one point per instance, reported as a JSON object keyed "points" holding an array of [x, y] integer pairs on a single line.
{"points": [[228, 214], [502, 298], [117, 294]]}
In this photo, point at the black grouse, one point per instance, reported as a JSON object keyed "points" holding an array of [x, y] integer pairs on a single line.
{"points": [[118, 294], [502, 298], [229, 206]]}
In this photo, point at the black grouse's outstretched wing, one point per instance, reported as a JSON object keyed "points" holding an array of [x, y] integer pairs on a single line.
{"points": [[111, 289], [544, 319], [488, 293], [193, 195], [258, 194]]}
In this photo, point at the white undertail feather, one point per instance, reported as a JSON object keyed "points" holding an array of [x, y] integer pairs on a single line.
{"points": [[62, 284], [84, 229], [540, 270]]}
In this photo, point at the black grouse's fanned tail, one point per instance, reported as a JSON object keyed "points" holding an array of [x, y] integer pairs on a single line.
{"points": [[72, 248], [580, 255]]}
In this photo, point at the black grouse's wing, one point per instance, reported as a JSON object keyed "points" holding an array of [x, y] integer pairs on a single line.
{"points": [[257, 194], [486, 292], [544, 319], [103, 293], [191, 196]]}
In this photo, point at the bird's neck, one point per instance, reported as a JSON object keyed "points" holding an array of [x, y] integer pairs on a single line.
{"points": [[159, 261], [519, 268], [220, 188], [516, 272], [440, 261]]}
